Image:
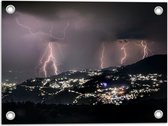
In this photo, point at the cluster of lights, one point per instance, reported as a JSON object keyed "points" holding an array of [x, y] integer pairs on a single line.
{"points": [[86, 95], [117, 95], [8, 87], [94, 73], [28, 88], [62, 83], [111, 92], [111, 95]]}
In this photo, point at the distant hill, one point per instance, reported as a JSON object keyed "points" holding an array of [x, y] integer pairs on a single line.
{"points": [[152, 64], [94, 86]]}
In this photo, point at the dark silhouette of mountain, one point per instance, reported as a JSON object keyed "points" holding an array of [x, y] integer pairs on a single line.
{"points": [[69, 96], [152, 64], [66, 87]]}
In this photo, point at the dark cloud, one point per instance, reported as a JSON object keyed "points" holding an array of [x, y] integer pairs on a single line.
{"points": [[79, 28], [111, 20]]}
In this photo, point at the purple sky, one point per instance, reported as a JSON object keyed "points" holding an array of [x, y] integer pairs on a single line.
{"points": [[77, 31]]}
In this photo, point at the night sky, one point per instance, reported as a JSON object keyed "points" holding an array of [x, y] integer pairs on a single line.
{"points": [[85, 26]]}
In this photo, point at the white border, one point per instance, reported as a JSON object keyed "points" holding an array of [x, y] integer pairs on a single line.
{"points": [[127, 124]]}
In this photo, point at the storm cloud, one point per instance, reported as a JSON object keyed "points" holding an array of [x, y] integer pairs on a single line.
{"points": [[79, 29]]}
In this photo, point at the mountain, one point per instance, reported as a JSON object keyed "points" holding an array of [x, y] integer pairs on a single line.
{"points": [[144, 80], [152, 64]]}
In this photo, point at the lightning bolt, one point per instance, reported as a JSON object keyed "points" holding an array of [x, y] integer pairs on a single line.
{"points": [[123, 48], [50, 55], [50, 34], [64, 31], [143, 44], [102, 57], [24, 26], [50, 58], [145, 49]]}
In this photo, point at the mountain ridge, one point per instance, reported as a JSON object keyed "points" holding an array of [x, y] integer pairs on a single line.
{"points": [[148, 65], [94, 86]]}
